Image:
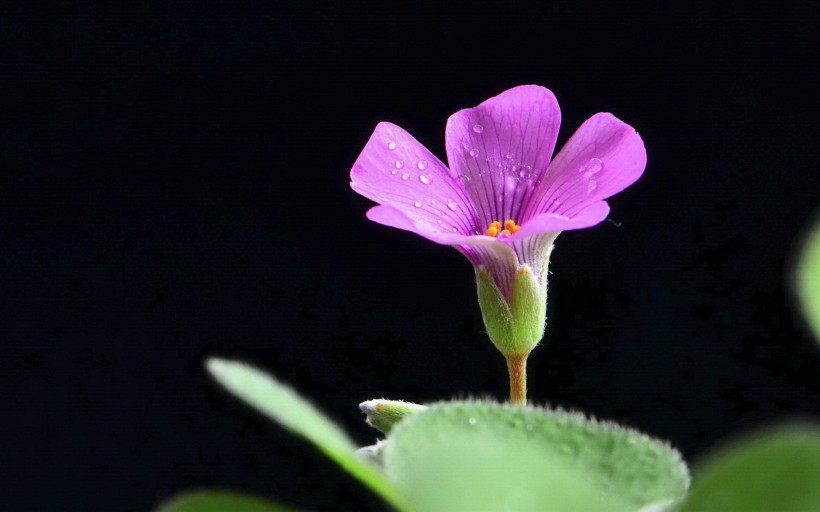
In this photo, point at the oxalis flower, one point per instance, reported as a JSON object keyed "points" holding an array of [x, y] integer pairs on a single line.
{"points": [[502, 201]]}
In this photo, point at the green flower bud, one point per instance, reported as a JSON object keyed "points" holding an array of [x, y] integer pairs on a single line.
{"points": [[383, 414]]}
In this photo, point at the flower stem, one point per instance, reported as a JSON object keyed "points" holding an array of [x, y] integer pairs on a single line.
{"points": [[517, 366]]}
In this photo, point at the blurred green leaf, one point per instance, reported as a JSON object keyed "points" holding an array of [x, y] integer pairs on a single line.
{"points": [[807, 279], [219, 501], [283, 405], [482, 456], [776, 471]]}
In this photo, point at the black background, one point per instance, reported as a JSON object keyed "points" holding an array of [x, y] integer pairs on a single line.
{"points": [[175, 185]]}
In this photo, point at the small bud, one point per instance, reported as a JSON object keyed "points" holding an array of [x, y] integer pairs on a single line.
{"points": [[383, 414]]}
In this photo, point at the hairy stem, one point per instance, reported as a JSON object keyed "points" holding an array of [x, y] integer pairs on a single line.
{"points": [[517, 366]]}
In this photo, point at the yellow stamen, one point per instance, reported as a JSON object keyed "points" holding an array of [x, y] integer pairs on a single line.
{"points": [[509, 228]]}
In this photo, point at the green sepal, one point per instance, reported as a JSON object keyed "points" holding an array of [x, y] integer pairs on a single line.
{"points": [[514, 327], [383, 414], [529, 307]]}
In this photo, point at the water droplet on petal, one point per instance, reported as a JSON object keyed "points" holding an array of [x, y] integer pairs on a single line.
{"points": [[455, 230], [417, 204], [394, 172], [510, 156], [405, 176], [422, 165], [594, 166], [474, 152], [399, 164], [592, 185], [426, 178], [452, 204], [478, 128], [511, 183], [438, 221], [464, 179], [391, 145]]}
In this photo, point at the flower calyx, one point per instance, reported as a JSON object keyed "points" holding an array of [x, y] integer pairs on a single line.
{"points": [[514, 325]]}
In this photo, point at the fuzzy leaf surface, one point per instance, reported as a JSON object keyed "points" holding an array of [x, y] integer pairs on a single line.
{"points": [[484, 456]]}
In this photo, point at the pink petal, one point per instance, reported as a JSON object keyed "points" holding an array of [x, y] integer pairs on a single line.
{"points": [[491, 253], [499, 259], [602, 158], [535, 251], [394, 169], [500, 147], [395, 218], [554, 223]]}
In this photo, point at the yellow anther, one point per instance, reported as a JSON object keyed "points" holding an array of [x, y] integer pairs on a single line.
{"points": [[508, 229]]}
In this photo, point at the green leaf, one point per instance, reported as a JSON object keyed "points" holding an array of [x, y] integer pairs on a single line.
{"points": [[482, 456], [776, 471], [220, 501], [807, 279], [283, 405]]}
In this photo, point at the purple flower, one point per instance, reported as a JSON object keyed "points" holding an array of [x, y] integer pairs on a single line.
{"points": [[502, 201]]}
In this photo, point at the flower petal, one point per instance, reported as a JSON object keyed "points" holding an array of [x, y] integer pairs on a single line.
{"points": [[499, 259], [395, 218], [395, 169], [483, 251], [553, 223], [602, 158], [499, 148], [535, 251]]}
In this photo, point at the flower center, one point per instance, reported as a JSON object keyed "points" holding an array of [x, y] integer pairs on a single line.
{"points": [[496, 229]]}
